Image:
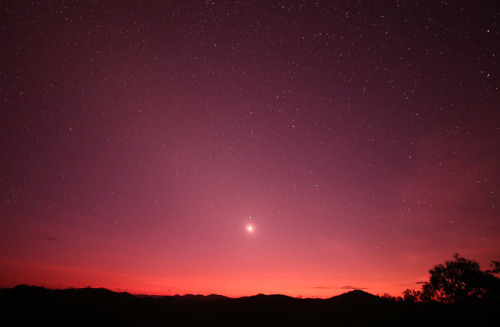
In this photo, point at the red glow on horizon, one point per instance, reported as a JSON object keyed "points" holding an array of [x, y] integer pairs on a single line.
{"points": [[245, 284]]}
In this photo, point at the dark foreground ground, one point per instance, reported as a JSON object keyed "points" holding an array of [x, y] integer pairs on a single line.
{"points": [[37, 306]]}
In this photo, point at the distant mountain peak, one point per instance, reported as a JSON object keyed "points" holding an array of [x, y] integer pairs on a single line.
{"points": [[356, 296]]}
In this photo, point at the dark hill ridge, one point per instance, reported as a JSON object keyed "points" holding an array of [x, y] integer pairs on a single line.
{"points": [[36, 306], [356, 295]]}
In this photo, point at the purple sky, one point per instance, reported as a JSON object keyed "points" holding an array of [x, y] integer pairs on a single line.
{"points": [[139, 140]]}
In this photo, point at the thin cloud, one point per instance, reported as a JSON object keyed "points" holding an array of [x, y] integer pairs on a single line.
{"points": [[349, 287]]}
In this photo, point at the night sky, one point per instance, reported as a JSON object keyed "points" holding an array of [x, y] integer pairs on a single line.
{"points": [[240, 147]]}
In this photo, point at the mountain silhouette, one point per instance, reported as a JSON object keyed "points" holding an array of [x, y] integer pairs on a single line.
{"points": [[36, 306], [355, 296]]}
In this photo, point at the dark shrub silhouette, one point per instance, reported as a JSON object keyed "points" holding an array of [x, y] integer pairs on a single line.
{"points": [[495, 267], [411, 295], [460, 281]]}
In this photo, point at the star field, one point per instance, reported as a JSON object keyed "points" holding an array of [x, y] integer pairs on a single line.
{"points": [[243, 147]]}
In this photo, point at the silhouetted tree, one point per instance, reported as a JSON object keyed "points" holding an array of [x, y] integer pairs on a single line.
{"points": [[388, 297], [427, 293], [411, 295], [495, 267], [460, 281]]}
